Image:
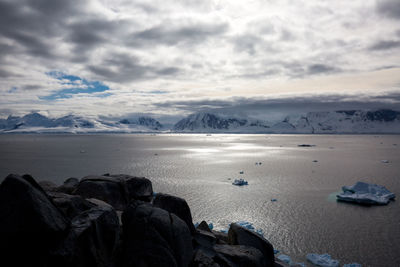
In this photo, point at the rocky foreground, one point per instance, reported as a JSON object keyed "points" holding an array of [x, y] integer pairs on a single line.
{"points": [[114, 220]]}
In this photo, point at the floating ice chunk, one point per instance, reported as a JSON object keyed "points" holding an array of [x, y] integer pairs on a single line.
{"points": [[352, 265], [323, 260], [285, 258], [364, 193], [384, 161], [240, 182]]}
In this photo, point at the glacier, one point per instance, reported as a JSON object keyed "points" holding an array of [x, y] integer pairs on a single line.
{"points": [[365, 193]]}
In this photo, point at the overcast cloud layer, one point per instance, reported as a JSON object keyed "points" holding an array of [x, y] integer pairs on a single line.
{"points": [[113, 58]]}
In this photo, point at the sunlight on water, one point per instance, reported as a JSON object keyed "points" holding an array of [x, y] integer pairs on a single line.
{"points": [[305, 216]]}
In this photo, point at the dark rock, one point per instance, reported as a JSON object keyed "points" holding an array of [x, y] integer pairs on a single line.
{"points": [[279, 263], [203, 259], [239, 235], [175, 205], [138, 188], [92, 241], [48, 186], [30, 224], [204, 226], [239, 256], [222, 238], [69, 185], [70, 205], [204, 239], [154, 237], [105, 188]]}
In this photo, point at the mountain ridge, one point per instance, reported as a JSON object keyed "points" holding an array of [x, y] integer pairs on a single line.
{"points": [[315, 122]]}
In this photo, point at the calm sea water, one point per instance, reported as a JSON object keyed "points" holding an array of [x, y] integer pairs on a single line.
{"points": [[305, 218]]}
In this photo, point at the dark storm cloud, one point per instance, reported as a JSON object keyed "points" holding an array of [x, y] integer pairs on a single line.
{"points": [[167, 34], [321, 68], [385, 45], [125, 68], [389, 8], [31, 23], [288, 105]]}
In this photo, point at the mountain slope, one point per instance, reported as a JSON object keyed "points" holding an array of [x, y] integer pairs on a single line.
{"points": [[35, 122], [350, 121]]}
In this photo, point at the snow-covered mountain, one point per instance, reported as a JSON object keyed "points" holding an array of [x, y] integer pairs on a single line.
{"points": [[332, 122], [348, 121], [35, 122]]}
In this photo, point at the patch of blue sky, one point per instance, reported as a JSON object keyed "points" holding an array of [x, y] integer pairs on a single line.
{"points": [[76, 85]]}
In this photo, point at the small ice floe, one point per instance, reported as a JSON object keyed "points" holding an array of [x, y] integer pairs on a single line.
{"points": [[323, 260], [273, 200], [364, 193], [285, 258], [241, 172], [352, 265], [240, 182], [384, 161], [305, 145]]}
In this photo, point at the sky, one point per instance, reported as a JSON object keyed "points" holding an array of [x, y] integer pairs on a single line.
{"points": [[165, 58]]}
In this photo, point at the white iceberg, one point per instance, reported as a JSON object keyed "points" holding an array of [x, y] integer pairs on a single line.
{"points": [[240, 182], [352, 265], [364, 193], [323, 260]]}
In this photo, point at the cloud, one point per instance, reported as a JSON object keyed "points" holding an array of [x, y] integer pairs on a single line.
{"points": [[153, 52], [385, 45], [389, 8], [170, 34]]}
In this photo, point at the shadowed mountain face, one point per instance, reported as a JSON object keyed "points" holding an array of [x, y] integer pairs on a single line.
{"points": [[347, 121]]}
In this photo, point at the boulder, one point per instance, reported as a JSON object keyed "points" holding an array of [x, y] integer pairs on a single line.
{"points": [[204, 226], [239, 256], [92, 240], [69, 185], [117, 190], [204, 239], [48, 186], [70, 205], [105, 188], [222, 238], [203, 259], [138, 188], [30, 223], [154, 237], [175, 205], [238, 235]]}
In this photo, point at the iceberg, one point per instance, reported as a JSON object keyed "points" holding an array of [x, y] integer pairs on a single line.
{"points": [[323, 260], [364, 193], [285, 258], [240, 182]]}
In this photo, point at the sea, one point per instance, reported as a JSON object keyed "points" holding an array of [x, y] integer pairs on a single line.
{"points": [[304, 180]]}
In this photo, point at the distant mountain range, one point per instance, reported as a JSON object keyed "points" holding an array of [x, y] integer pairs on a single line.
{"points": [[330, 122], [35, 122]]}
